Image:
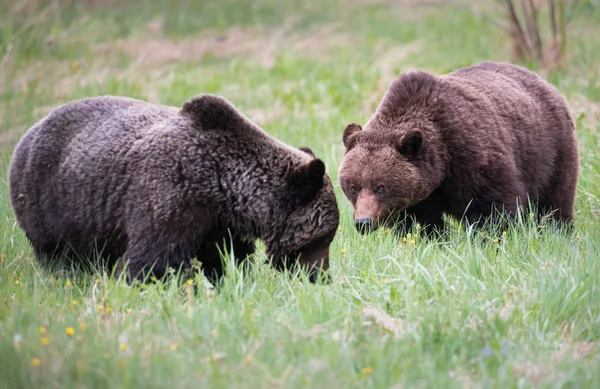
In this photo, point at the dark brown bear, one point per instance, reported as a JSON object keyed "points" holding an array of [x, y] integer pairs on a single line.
{"points": [[156, 186], [483, 138]]}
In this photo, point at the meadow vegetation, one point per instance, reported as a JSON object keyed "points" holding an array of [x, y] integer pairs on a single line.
{"points": [[520, 308]]}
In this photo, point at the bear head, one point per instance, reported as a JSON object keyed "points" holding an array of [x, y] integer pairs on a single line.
{"points": [[312, 220], [298, 217], [399, 158]]}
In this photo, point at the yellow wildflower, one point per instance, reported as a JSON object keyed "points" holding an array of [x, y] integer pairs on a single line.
{"points": [[100, 307], [122, 347], [43, 331], [214, 332], [367, 370], [70, 331], [73, 303], [412, 242], [190, 282], [339, 228], [248, 359], [98, 281], [69, 283], [343, 251], [403, 240], [385, 232], [108, 310], [75, 65], [45, 341], [35, 362], [129, 310], [174, 346], [82, 326], [106, 355], [17, 282]]}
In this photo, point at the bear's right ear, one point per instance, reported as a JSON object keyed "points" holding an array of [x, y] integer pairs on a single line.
{"points": [[308, 179], [212, 112], [410, 143], [348, 138]]}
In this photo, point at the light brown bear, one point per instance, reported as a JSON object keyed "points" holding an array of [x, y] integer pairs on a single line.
{"points": [[483, 138]]}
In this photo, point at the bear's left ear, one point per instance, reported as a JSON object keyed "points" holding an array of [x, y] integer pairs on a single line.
{"points": [[347, 138], [410, 143], [212, 112], [308, 179], [308, 151]]}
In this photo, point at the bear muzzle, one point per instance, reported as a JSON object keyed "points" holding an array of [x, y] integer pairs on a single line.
{"points": [[365, 225], [367, 212]]}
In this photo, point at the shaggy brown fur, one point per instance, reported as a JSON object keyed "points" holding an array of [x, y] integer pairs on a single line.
{"points": [[489, 136], [157, 186]]}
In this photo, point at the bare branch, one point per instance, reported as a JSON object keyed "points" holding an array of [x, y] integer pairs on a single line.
{"points": [[521, 47], [531, 20], [552, 7], [562, 29], [554, 27]]}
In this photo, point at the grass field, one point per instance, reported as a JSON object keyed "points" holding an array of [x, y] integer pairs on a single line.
{"points": [[455, 313]]}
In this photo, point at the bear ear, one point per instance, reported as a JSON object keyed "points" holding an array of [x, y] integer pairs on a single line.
{"points": [[308, 179], [308, 151], [348, 138], [410, 143], [212, 112]]}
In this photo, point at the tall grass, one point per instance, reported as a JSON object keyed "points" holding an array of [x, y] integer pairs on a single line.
{"points": [[509, 309]]}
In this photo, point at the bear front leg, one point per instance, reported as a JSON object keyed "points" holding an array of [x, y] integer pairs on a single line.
{"points": [[210, 254], [45, 253], [146, 257], [429, 213], [486, 214]]}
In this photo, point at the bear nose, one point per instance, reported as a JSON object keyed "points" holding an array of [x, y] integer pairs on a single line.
{"points": [[364, 225]]}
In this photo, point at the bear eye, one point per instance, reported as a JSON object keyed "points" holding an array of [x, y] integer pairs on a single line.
{"points": [[353, 189], [380, 189]]}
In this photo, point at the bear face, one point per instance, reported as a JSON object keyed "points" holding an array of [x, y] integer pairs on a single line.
{"points": [[385, 172], [311, 220], [310, 254]]}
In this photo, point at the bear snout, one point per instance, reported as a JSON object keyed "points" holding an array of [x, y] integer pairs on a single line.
{"points": [[367, 212], [364, 225]]}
